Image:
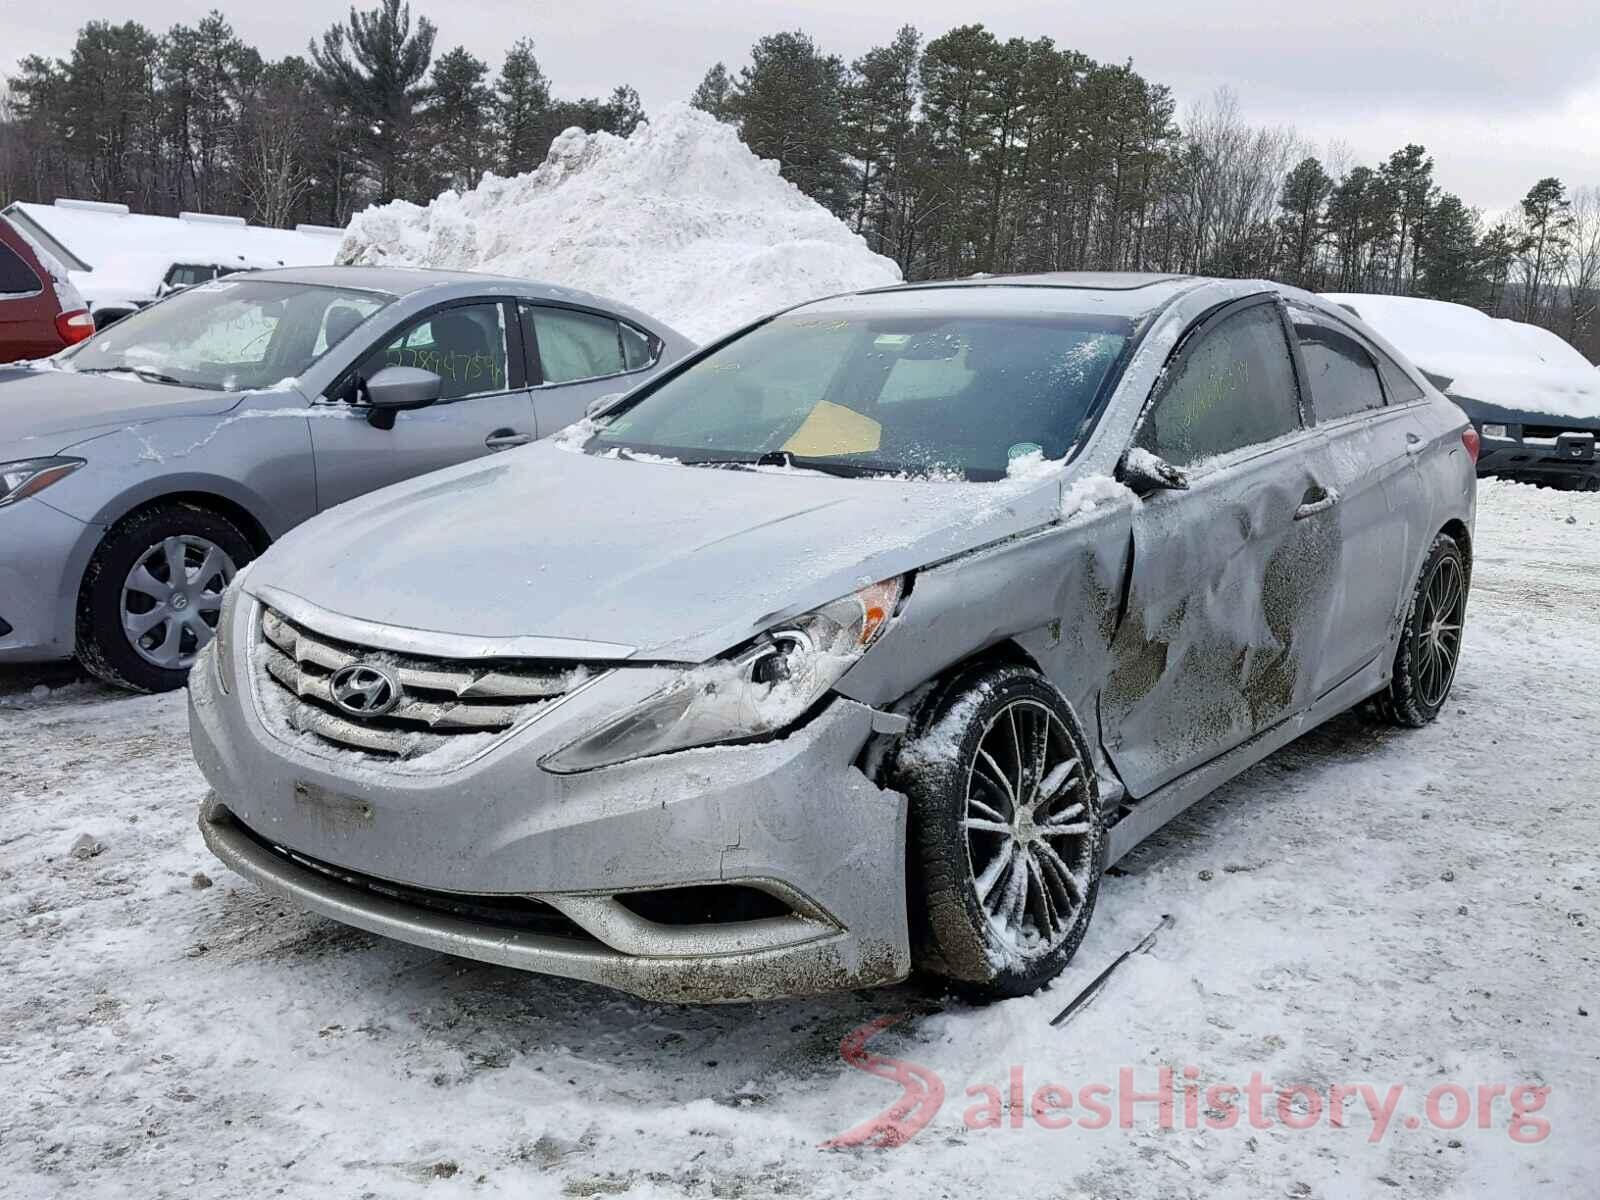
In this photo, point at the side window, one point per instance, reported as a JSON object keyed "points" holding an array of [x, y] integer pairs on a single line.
{"points": [[16, 277], [465, 347], [1234, 388], [1341, 374], [639, 349], [574, 345], [1401, 387]]}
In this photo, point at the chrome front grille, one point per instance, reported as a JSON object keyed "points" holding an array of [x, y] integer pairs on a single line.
{"points": [[441, 699]]}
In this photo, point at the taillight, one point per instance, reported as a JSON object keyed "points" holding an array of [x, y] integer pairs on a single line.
{"points": [[75, 326], [1470, 439]]}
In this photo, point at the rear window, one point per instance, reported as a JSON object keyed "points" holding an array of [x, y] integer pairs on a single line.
{"points": [[1402, 388], [16, 277], [1340, 372]]}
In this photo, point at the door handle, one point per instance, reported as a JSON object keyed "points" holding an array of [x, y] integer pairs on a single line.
{"points": [[1316, 500], [504, 439], [1414, 444]]}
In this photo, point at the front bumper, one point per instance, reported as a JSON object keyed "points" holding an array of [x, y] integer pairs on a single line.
{"points": [[42, 556], [793, 819]]}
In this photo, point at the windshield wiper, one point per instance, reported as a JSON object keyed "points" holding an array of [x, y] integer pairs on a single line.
{"points": [[149, 374], [784, 458]]}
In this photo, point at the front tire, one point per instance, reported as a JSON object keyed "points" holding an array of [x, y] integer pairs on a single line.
{"points": [[152, 594], [1007, 842], [1430, 640]]}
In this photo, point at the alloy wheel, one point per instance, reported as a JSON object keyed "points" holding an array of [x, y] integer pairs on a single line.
{"points": [[172, 599], [1439, 630], [1028, 828]]}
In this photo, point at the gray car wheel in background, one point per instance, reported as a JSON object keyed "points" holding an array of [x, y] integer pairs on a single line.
{"points": [[1007, 839], [152, 594]]}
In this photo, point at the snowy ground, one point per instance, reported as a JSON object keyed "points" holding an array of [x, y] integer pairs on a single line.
{"points": [[1398, 909]]}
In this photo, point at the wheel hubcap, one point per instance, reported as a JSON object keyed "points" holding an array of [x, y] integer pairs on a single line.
{"points": [[1439, 631], [172, 598], [1028, 828]]}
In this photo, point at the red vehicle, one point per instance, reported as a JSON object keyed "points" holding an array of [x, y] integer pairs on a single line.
{"points": [[40, 311]]}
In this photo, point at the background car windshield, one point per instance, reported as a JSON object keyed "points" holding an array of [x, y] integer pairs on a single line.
{"points": [[232, 334], [912, 394]]}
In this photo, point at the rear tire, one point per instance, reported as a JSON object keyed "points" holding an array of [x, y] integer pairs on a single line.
{"points": [[1006, 839], [144, 635], [1430, 640]]}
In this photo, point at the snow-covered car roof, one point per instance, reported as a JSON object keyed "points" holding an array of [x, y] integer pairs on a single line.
{"points": [[1509, 364], [114, 254]]}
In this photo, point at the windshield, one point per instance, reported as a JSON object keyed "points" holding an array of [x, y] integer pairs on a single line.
{"points": [[230, 335], [899, 394]]}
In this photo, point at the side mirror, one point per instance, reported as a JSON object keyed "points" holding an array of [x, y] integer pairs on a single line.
{"points": [[600, 403], [1142, 473], [399, 389]]}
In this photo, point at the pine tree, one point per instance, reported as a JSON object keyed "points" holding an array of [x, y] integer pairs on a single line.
{"points": [[715, 93], [1449, 261], [376, 67], [1305, 191], [460, 118], [1546, 220], [1408, 176], [788, 102], [522, 94]]}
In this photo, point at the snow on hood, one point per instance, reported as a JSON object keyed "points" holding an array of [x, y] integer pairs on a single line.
{"points": [[679, 562], [52, 405], [679, 220], [1508, 364]]}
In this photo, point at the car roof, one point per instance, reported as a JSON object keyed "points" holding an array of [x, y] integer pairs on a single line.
{"points": [[1113, 294], [404, 282], [407, 281]]}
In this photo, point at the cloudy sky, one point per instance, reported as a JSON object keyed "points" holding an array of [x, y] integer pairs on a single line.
{"points": [[1501, 92]]}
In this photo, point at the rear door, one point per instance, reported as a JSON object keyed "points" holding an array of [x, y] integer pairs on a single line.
{"points": [[1230, 591], [27, 313], [575, 356], [1370, 456], [475, 348]]}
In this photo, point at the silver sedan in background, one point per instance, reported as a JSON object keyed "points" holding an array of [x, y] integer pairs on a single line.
{"points": [[141, 469], [860, 642]]}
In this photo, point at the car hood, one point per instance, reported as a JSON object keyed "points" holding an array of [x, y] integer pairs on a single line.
{"points": [[56, 408], [678, 563]]}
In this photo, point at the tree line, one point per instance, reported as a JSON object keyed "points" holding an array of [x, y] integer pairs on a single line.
{"points": [[967, 153], [960, 154], [196, 119]]}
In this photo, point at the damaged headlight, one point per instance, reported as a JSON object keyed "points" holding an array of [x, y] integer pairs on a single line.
{"points": [[19, 480], [762, 687]]}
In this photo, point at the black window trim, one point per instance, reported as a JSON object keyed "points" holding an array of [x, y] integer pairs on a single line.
{"points": [[536, 364], [1198, 328], [516, 367]]}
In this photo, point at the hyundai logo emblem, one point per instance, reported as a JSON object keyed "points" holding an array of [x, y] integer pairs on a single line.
{"points": [[364, 690]]}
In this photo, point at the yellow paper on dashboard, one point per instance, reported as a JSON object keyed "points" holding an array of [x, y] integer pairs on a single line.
{"points": [[834, 429]]}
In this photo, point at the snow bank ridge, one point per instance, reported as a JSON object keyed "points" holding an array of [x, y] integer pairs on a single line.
{"points": [[679, 219]]}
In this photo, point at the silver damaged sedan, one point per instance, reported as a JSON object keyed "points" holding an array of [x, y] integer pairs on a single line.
{"points": [[856, 644]]}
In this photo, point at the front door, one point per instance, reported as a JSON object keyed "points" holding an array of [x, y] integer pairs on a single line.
{"points": [[483, 406], [1230, 590]]}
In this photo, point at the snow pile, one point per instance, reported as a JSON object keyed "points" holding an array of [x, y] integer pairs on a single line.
{"points": [[679, 219], [1489, 359]]}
